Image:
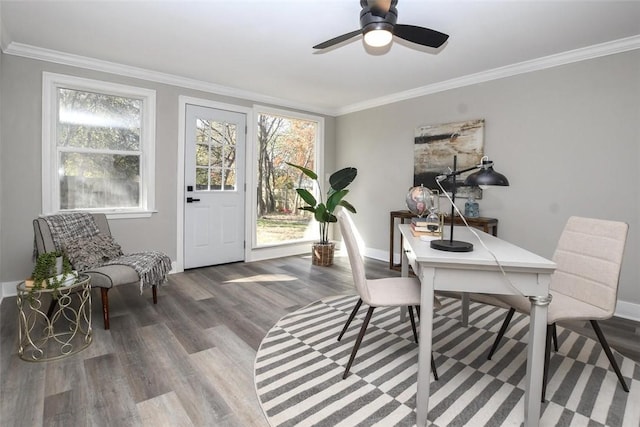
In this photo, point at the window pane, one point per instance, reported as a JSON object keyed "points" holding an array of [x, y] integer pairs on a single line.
{"points": [[98, 121], [201, 134], [202, 155], [99, 181], [202, 179], [215, 156], [284, 139], [216, 179]]}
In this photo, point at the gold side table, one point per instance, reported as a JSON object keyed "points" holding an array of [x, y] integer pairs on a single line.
{"points": [[63, 330]]}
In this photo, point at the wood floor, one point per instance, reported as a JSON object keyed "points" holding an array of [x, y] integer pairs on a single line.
{"points": [[189, 359]]}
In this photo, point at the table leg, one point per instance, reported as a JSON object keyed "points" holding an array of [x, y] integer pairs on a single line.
{"points": [[535, 360], [392, 230], [464, 316], [404, 272], [427, 276]]}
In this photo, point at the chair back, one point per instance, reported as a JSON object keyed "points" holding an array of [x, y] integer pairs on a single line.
{"points": [[350, 237], [589, 258], [44, 240]]}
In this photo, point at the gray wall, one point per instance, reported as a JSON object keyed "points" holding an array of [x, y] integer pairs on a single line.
{"points": [[567, 138], [20, 154]]}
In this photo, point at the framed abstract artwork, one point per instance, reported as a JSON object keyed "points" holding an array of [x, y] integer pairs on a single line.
{"points": [[435, 147]]}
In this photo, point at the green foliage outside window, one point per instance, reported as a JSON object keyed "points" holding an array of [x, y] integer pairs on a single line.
{"points": [[98, 137]]}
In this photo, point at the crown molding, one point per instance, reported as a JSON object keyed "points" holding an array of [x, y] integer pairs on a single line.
{"points": [[33, 52], [577, 55]]}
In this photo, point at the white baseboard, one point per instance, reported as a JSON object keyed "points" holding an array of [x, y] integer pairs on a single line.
{"points": [[377, 254], [8, 289], [628, 310]]}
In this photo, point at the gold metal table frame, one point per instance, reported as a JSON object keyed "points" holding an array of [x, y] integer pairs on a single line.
{"points": [[63, 330]]}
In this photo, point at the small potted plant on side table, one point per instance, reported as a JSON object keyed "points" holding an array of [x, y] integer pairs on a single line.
{"points": [[51, 271], [322, 251]]}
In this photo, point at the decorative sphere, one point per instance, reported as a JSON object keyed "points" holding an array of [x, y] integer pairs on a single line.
{"points": [[419, 200]]}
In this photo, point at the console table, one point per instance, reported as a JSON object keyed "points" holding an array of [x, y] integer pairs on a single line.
{"points": [[488, 225]]}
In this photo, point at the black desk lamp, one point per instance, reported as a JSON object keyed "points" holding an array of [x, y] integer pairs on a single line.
{"points": [[485, 176]]}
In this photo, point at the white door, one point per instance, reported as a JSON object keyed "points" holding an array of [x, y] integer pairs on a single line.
{"points": [[214, 179]]}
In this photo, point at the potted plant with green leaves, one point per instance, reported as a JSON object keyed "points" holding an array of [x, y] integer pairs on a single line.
{"points": [[51, 271], [323, 211]]}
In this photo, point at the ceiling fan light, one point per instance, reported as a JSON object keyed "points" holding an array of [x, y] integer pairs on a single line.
{"points": [[378, 38]]}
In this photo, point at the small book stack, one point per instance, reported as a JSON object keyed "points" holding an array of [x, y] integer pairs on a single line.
{"points": [[420, 227]]}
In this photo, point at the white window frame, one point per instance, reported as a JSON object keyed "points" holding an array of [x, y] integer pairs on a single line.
{"points": [[50, 180]]}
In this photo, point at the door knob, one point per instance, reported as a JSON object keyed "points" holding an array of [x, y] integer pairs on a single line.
{"points": [[191, 200]]}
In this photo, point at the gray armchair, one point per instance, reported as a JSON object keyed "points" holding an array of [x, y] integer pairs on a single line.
{"points": [[102, 276]]}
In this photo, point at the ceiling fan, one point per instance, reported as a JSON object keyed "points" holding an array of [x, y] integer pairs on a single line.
{"points": [[378, 25]]}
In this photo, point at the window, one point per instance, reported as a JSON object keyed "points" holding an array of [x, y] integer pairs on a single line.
{"points": [[98, 147], [215, 155], [282, 137]]}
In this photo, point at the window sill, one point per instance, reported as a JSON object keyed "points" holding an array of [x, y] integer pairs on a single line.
{"points": [[114, 214], [127, 215]]}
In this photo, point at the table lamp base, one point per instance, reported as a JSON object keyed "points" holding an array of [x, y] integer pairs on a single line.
{"points": [[452, 245]]}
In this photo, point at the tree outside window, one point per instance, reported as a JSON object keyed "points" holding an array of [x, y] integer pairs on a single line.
{"points": [[280, 140]]}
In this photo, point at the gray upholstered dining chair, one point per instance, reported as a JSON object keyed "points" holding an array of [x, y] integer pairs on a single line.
{"points": [[385, 292], [92, 231], [584, 285]]}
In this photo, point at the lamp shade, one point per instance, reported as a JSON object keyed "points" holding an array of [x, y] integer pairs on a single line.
{"points": [[486, 176]]}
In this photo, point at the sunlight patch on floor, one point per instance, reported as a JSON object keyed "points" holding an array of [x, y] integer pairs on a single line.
{"points": [[264, 278]]}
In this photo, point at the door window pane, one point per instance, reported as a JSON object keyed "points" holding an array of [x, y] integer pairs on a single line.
{"points": [[202, 179], [202, 155], [215, 156]]}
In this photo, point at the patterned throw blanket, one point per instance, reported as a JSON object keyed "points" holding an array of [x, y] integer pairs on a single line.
{"points": [[152, 266], [71, 226]]}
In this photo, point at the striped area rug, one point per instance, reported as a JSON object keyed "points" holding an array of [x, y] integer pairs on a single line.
{"points": [[299, 366]]}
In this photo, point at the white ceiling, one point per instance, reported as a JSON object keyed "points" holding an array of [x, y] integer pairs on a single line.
{"points": [[261, 49]]}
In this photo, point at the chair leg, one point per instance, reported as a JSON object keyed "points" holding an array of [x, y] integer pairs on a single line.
{"points": [[413, 324], [607, 350], [363, 329], [154, 290], [547, 357], [351, 316], [105, 306], [433, 368], [555, 338], [503, 329]]}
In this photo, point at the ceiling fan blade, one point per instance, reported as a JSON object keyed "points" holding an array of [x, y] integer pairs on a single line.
{"points": [[420, 35], [337, 40]]}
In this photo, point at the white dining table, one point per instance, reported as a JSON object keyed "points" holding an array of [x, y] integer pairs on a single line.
{"points": [[522, 273]]}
